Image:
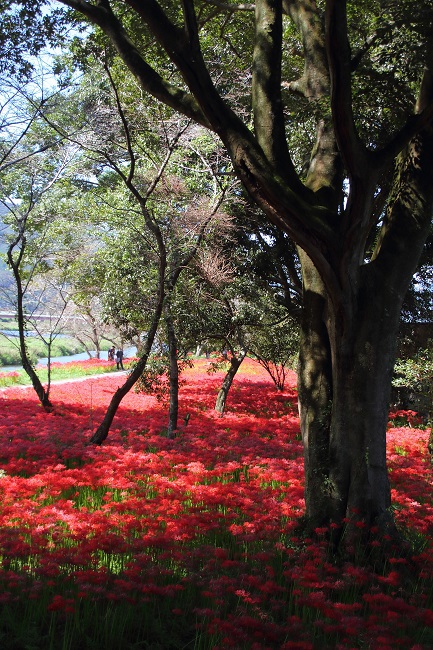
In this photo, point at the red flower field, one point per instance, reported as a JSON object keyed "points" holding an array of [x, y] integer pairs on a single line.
{"points": [[147, 542]]}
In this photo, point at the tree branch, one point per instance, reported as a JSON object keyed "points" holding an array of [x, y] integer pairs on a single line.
{"points": [[191, 26], [314, 82], [354, 153], [183, 48], [149, 79], [414, 125], [266, 86], [231, 7], [408, 215], [125, 125]]}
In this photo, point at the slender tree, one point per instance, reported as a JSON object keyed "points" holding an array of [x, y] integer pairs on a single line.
{"points": [[32, 161], [161, 229]]}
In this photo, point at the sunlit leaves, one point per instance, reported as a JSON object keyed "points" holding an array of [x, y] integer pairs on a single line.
{"points": [[25, 30]]}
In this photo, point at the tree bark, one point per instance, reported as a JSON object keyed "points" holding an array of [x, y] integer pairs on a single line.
{"points": [[235, 363], [314, 393], [102, 431], [14, 264], [357, 485], [173, 411], [346, 360]]}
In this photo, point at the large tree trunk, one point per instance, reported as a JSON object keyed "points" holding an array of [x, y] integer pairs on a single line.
{"points": [[344, 413], [357, 485], [344, 383], [314, 394]]}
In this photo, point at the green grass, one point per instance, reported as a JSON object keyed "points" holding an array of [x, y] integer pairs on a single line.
{"points": [[8, 324]]}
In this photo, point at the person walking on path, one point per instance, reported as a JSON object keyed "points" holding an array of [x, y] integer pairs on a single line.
{"points": [[111, 353], [119, 360]]}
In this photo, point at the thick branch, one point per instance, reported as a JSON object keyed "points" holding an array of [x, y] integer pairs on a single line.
{"points": [[314, 82], [325, 173], [183, 48], [205, 105], [358, 161], [191, 25], [353, 151], [266, 85], [414, 125], [408, 217], [149, 79]]}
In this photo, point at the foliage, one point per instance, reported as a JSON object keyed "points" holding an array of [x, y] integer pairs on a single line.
{"points": [[276, 349], [25, 30], [413, 381], [155, 378], [193, 541]]}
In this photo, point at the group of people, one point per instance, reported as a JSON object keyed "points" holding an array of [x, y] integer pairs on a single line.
{"points": [[116, 356]]}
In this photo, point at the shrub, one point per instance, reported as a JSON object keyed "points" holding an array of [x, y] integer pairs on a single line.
{"points": [[413, 383]]}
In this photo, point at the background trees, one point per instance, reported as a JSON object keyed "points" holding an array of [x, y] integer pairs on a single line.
{"points": [[33, 160], [160, 196]]}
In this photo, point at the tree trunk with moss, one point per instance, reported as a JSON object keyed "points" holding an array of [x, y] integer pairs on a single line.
{"points": [[347, 357]]}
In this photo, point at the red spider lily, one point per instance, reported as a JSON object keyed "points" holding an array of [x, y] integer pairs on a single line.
{"points": [[203, 525]]}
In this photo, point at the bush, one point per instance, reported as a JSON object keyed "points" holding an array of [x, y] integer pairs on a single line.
{"points": [[413, 383], [276, 349]]}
